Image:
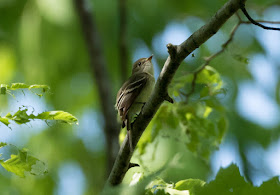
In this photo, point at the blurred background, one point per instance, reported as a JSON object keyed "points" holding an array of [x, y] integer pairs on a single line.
{"points": [[42, 42]]}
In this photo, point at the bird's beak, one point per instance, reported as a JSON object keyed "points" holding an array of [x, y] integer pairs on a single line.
{"points": [[150, 58]]}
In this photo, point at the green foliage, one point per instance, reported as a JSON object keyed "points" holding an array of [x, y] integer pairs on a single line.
{"points": [[23, 162], [21, 117], [58, 116], [241, 58], [136, 178], [36, 46], [205, 134], [17, 86], [190, 184], [208, 81], [227, 181], [4, 120], [200, 124], [3, 89], [2, 144], [160, 187]]}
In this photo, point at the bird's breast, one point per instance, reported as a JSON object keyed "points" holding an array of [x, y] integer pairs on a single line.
{"points": [[146, 91]]}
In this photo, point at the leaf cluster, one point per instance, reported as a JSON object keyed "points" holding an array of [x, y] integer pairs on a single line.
{"points": [[21, 161]]}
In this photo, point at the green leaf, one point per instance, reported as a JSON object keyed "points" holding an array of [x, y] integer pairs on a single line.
{"points": [[203, 136], [21, 117], [3, 89], [160, 120], [4, 120], [200, 126], [159, 186], [145, 139], [136, 178], [16, 86], [204, 92], [222, 126], [272, 186], [229, 181], [189, 184], [122, 135], [208, 81], [179, 83], [23, 162], [2, 144], [58, 116], [44, 87], [241, 58]]}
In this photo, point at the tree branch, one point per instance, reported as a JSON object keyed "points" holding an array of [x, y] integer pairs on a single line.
{"points": [[160, 92], [98, 67]]}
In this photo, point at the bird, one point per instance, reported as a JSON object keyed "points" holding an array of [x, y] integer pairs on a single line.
{"points": [[134, 93]]}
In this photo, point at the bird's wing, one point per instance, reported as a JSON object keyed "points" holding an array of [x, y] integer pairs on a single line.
{"points": [[129, 92]]}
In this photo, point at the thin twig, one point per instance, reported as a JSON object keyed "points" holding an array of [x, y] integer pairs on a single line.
{"points": [[209, 59], [169, 99], [261, 21], [255, 22], [131, 165]]}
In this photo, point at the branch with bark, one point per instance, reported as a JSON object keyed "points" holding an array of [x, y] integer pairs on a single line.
{"points": [[177, 53], [100, 74]]}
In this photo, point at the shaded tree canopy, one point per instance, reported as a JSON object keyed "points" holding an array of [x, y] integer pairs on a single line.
{"points": [[216, 64]]}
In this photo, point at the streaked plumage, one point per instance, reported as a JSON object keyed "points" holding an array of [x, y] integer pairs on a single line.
{"points": [[135, 92]]}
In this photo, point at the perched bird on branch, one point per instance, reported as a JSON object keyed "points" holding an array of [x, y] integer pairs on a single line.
{"points": [[134, 93]]}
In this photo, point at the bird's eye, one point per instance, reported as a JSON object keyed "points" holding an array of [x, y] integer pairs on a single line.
{"points": [[139, 63]]}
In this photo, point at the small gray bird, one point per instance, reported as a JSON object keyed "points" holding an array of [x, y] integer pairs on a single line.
{"points": [[135, 92]]}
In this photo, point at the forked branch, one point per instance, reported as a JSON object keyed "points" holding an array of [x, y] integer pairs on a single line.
{"points": [[177, 55]]}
